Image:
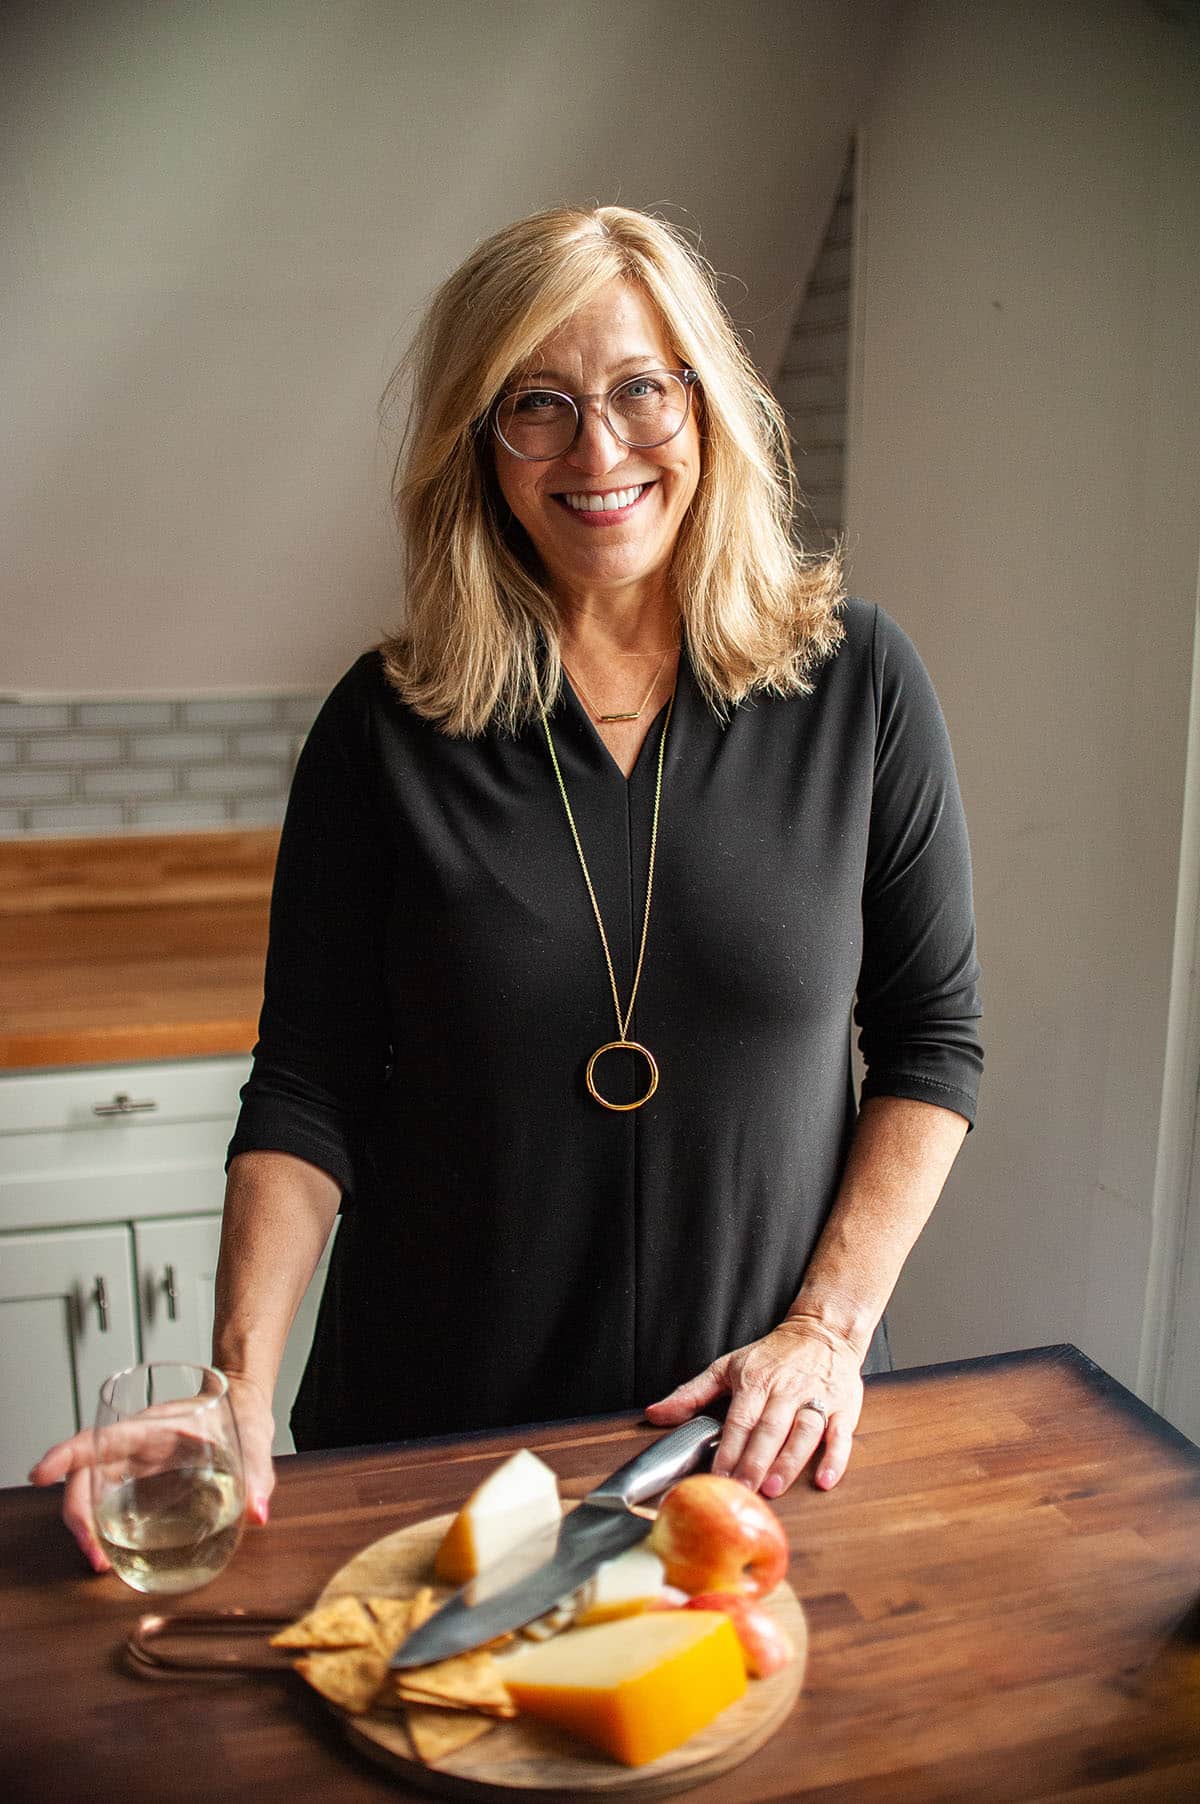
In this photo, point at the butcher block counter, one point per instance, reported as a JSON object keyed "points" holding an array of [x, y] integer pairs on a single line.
{"points": [[123, 949], [1001, 1597]]}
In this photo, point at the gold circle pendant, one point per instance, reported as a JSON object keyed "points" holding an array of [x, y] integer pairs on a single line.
{"points": [[622, 1046]]}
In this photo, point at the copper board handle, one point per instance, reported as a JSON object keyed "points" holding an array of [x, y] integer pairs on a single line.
{"points": [[144, 1643]]}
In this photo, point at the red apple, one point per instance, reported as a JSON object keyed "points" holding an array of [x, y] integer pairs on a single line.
{"points": [[712, 1534], [765, 1646]]}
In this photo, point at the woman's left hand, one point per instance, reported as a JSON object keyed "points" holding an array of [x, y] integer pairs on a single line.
{"points": [[769, 1435]]}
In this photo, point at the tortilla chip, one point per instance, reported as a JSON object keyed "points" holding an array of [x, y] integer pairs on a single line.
{"points": [[469, 1681], [435, 1733], [404, 1700], [351, 1679], [342, 1622], [422, 1607], [392, 1621]]}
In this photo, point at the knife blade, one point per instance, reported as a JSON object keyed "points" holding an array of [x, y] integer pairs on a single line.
{"points": [[547, 1567]]}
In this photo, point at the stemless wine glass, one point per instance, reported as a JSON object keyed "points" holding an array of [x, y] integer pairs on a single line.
{"points": [[168, 1491]]}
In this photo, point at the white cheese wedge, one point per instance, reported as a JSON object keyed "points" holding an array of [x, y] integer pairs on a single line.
{"points": [[621, 1587], [518, 1499]]}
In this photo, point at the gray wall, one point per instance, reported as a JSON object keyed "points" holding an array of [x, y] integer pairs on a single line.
{"points": [[1023, 495], [217, 224]]}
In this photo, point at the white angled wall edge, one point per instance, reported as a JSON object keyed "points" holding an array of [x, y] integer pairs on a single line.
{"points": [[1169, 1362]]}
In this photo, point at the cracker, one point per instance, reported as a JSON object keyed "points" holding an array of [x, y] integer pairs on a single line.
{"points": [[392, 1619], [435, 1733], [468, 1681], [351, 1678], [342, 1622], [423, 1607]]}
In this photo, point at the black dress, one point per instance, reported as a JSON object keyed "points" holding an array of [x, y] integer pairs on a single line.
{"points": [[509, 1251]]}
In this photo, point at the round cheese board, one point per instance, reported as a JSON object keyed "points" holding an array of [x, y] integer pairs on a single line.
{"points": [[531, 1757]]}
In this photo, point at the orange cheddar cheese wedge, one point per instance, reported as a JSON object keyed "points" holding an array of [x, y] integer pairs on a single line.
{"points": [[636, 1687]]}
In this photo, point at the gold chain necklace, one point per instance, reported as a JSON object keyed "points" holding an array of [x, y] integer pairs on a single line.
{"points": [[623, 1043], [606, 719]]}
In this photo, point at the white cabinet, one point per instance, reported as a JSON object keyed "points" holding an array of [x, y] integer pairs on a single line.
{"points": [[176, 1270], [66, 1321], [111, 1185]]}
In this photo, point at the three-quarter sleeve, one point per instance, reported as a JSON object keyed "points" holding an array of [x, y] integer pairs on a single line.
{"points": [[918, 1002], [323, 1052]]}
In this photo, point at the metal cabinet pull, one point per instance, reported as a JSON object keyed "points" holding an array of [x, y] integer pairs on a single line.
{"points": [[168, 1285], [100, 1299], [122, 1104]]}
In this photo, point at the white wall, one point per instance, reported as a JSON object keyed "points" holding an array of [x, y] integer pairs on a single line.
{"points": [[1023, 495], [217, 223]]}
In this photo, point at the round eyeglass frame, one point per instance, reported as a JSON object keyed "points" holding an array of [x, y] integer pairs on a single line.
{"points": [[686, 377]]}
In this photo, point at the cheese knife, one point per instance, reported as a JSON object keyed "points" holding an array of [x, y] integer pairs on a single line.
{"points": [[547, 1567]]}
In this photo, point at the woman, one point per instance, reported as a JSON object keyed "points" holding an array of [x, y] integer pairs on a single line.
{"points": [[631, 774]]}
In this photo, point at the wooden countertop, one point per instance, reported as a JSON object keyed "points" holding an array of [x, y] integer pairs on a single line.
{"points": [[147, 947], [1002, 1602]]}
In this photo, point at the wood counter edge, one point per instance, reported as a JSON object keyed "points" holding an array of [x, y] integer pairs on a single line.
{"points": [[137, 870], [133, 1044]]}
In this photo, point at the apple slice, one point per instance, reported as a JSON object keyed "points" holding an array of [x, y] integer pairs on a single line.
{"points": [[518, 1499], [765, 1646], [712, 1534]]}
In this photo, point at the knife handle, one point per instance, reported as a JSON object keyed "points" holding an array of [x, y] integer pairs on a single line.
{"points": [[659, 1465]]}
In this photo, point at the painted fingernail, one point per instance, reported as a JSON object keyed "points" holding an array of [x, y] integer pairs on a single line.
{"points": [[96, 1559], [826, 1476], [772, 1485], [260, 1510]]}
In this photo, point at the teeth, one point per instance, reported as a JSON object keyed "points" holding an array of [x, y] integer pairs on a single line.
{"points": [[606, 504]]}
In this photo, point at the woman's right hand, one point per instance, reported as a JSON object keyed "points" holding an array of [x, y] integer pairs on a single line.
{"points": [[71, 1462]]}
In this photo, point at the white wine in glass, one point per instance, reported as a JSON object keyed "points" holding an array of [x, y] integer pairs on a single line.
{"points": [[168, 1493]]}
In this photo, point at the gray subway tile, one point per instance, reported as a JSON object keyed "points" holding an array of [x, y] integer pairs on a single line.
{"points": [[251, 711], [100, 816], [175, 748], [80, 748], [300, 710], [35, 785], [194, 812], [123, 714], [34, 717], [261, 811], [233, 779], [818, 425], [120, 783], [811, 388], [8, 751], [826, 303], [12, 823], [279, 744]]}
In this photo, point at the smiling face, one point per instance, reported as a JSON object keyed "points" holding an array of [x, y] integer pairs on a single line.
{"points": [[603, 517]]}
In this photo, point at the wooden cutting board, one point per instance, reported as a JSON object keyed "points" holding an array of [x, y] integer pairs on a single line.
{"points": [[524, 1756]]}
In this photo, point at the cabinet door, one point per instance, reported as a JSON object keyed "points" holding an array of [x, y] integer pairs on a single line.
{"points": [[66, 1322], [177, 1269], [116, 1143]]}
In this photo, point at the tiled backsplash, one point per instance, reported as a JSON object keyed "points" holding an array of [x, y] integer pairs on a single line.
{"points": [[812, 385], [103, 767]]}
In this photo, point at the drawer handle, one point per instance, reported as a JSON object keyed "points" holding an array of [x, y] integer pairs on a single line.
{"points": [[168, 1285], [122, 1104], [100, 1299]]}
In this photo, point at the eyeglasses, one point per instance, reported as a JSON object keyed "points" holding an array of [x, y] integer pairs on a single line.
{"points": [[537, 424]]}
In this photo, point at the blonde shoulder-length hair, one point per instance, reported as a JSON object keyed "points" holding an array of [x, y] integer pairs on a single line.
{"points": [[480, 644]]}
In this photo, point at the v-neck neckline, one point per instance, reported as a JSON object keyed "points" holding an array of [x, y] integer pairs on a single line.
{"points": [[649, 745]]}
